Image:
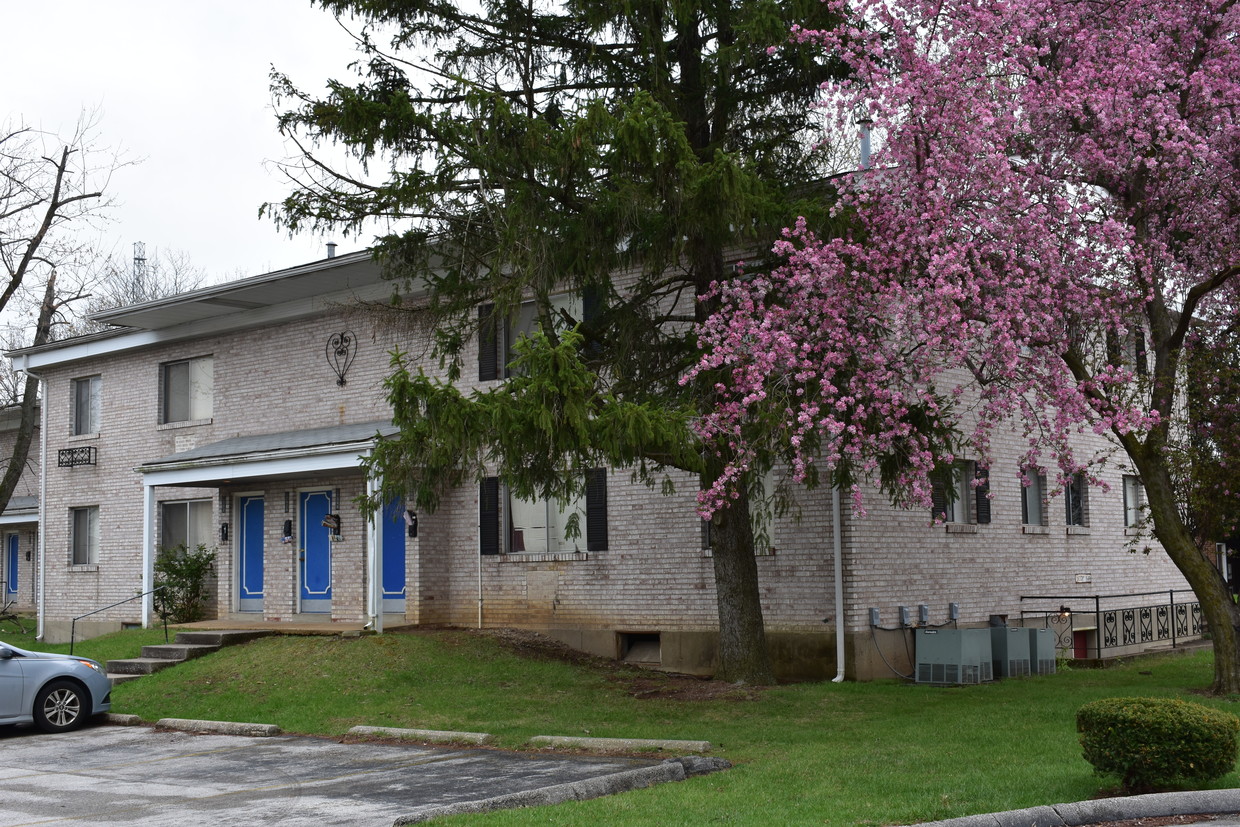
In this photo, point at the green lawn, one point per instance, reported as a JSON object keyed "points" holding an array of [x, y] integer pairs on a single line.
{"points": [[822, 753]]}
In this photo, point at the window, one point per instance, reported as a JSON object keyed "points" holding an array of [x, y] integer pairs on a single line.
{"points": [[1075, 499], [495, 351], [186, 523], [84, 535], [85, 418], [539, 526], [1033, 498], [187, 389], [1134, 499], [961, 494]]}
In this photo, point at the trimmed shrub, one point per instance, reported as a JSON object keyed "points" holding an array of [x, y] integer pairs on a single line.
{"points": [[181, 575], [1157, 742]]}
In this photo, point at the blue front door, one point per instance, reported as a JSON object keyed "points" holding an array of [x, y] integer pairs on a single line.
{"points": [[393, 533], [316, 551], [250, 512], [13, 551]]}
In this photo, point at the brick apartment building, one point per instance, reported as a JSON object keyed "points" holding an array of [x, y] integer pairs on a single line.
{"points": [[234, 416]]}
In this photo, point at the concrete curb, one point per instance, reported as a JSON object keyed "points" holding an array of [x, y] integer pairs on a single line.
{"points": [[1082, 813], [618, 744], [118, 719], [434, 736], [219, 727], [576, 791]]}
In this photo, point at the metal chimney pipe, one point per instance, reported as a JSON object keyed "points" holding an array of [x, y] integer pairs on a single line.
{"points": [[331, 249]]}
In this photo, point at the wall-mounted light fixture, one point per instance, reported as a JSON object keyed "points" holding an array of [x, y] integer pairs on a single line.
{"points": [[411, 523], [223, 532], [1065, 612]]}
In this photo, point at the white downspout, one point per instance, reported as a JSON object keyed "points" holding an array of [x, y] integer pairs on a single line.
{"points": [[148, 556], [837, 516], [40, 545]]}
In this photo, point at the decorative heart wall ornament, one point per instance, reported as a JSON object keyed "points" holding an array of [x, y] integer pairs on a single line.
{"points": [[341, 353]]}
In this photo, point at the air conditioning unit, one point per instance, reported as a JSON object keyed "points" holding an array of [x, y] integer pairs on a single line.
{"points": [[1042, 651], [954, 656], [1010, 647]]}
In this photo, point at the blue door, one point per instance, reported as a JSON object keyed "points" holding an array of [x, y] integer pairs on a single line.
{"points": [[393, 533], [250, 511], [13, 550], [316, 551]]}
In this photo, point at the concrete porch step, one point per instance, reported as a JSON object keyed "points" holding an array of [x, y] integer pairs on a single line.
{"points": [[139, 666], [120, 677], [178, 651], [225, 637]]}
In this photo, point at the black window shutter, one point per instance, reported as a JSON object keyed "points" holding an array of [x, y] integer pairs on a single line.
{"points": [[1138, 346], [488, 343], [591, 303], [488, 516], [938, 497], [705, 534], [981, 498], [596, 510], [1043, 509]]}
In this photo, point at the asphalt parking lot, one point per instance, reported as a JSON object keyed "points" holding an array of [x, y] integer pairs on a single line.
{"points": [[141, 776]]}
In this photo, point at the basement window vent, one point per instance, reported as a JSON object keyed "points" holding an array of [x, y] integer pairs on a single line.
{"points": [[640, 647], [73, 457]]}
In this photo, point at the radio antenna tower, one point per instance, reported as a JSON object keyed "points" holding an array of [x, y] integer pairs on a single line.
{"points": [[139, 263]]}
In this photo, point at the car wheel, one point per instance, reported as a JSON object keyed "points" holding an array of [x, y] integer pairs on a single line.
{"points": [[59, 706]]}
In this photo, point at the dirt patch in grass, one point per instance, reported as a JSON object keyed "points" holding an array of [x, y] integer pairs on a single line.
{"points": [[644, 684]]}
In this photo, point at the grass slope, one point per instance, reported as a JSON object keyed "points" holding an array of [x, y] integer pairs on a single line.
{"points": [[842, 754]]}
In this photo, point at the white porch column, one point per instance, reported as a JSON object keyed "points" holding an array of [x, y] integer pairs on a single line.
{"points": [[374, 559], [148, 554]]}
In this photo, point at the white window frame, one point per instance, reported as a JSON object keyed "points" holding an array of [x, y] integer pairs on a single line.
{"points": [[1134, 501], [84, 535], [525, 321], [537, 526], [1076, 490], [1033, 498], [85, 393], [198, 522], [199, 390]]}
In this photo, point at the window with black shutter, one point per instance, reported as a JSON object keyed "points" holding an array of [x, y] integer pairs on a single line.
{"points": [[981, 494], [488, 343], [596, 510], [488, 516]]}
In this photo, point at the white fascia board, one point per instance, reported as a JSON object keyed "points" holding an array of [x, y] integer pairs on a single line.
{"points": [[20, 519], [229, 322], [337, 458]]}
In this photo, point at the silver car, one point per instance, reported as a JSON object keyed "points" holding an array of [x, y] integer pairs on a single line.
{"points": [[56, 693]]}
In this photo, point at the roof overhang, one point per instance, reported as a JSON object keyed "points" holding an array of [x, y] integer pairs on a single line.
{"points": [[272, 298], [267, 457]]}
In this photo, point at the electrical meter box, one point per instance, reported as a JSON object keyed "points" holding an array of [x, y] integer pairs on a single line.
{"points": [[954, 656]]}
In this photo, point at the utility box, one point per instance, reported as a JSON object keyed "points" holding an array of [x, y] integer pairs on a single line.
{"points": [[1042, 651], [1010, 648], [954, 656]]}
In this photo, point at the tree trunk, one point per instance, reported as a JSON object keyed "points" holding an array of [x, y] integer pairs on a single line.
{"points": [[743, 656], [1221, 614], [29, 403]]}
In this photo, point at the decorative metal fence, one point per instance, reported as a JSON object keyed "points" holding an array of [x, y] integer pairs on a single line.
{"points": [[1114, 626]]}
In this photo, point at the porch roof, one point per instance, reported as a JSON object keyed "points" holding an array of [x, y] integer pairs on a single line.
{"points": [[269, 456], [22, 509]]}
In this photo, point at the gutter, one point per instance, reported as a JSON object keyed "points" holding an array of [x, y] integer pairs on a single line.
{"points": [[40, 547]]}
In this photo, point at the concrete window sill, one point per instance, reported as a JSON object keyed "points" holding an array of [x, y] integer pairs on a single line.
{"points": [[1035, 529]]}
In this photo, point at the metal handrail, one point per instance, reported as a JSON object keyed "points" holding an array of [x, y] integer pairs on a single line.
{"points": [[1096, 599], [73, 623]]}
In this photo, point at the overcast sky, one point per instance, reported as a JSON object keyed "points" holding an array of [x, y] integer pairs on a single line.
{"points": [[183, 86]]}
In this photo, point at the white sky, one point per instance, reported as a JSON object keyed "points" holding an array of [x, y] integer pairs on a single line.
{"points": [[184, 87]]}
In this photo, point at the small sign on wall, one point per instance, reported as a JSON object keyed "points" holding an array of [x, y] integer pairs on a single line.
{"points": [[1084, 578]]}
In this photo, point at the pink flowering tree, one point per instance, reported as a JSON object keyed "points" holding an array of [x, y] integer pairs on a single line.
{"points": [[1050, 224]]}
